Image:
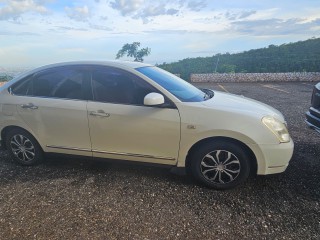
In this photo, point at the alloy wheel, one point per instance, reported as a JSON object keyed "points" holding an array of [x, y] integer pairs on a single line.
{"points": [[22, 148], [220, 166]]}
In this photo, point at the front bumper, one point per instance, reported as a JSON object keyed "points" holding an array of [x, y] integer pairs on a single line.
{"points": [[273, 158], [313, 119]]}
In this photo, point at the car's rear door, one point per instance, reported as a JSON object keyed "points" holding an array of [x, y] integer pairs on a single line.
{"points": [[121, 127], [53, 104]]}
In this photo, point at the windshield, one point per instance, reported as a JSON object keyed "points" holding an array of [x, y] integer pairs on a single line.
{"points": [[183, 90]]}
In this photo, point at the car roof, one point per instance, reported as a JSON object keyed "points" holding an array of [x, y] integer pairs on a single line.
{"points": [[111, 63]]}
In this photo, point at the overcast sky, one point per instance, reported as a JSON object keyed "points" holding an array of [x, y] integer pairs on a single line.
{"points": [[37, 32]]}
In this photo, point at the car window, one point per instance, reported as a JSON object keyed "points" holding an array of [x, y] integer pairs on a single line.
{"points": [[55, 83], [183, 90], [114, 85], [23, 87]]}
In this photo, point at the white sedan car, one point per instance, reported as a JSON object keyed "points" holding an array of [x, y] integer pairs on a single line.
{"points": [[138, 112]]}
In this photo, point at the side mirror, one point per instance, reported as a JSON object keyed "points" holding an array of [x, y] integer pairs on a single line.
{"points": [[153, 99]]}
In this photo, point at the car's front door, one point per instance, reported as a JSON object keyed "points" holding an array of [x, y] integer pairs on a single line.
{"points": [[121, 127], [53, 104]]}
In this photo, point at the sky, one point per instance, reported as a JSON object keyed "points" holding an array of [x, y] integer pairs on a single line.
{"points": [[39, 32]]}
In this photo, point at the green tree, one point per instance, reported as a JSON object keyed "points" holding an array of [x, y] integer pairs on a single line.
{"points": [[5, 78], [132, 50], [290, 57], [227, 68]]}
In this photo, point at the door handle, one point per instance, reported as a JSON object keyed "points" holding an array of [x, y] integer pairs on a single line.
{"points": [[99, 113], [29, 105]]}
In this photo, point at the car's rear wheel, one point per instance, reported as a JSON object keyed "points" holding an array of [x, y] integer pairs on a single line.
{"points": [[220, 165], [23, 147]]}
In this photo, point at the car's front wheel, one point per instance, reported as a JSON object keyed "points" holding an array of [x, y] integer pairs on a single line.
{"points": [[23, 147], [220, 165]]}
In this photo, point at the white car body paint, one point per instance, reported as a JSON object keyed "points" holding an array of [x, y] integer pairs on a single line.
{"points": [[144, 133]]}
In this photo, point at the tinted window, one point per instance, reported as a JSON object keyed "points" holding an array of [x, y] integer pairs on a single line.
{"points": [[56, 83], [117, 86], [176, 86], [23, 87]]}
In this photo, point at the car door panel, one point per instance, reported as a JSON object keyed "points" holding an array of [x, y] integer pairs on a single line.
{"points": [[122, 127], [134, 131], [44, 102], [60, 124]]}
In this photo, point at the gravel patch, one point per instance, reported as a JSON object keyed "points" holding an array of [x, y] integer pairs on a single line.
{"points": [[85, 199]]}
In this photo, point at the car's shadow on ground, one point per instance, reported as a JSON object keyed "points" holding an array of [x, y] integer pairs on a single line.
{"points": [[300, 177], [70, 167]]}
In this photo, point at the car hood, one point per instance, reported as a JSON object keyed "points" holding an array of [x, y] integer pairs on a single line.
{"points": [[241, 104]]}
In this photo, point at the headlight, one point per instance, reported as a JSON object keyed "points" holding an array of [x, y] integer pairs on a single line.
{"points": [[278, 128]]}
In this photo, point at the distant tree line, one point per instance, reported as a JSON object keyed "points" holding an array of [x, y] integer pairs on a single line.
{"points": [[5, 78], [302, 56]]}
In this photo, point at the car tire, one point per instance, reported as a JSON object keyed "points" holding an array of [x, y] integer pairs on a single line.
{"points": [[23, 147], [220, 165]]}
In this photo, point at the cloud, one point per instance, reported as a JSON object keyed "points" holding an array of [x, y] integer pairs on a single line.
{"points": [[153, 11], [13, 9], [246, 14], [80, 14], [73, 50], [138, 9], [180, 32], [238, 15], [126, 7], [168, 31], [197, 5], [172, 11], [230, 16], [70, 28], [19, 34], [275, 26], [100, 27]]}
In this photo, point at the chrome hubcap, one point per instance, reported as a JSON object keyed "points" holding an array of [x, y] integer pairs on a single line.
{"points": [[22, 148], [220, 166]]}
